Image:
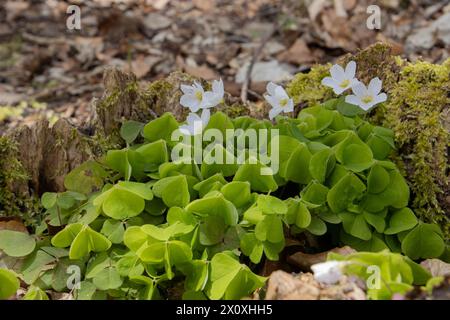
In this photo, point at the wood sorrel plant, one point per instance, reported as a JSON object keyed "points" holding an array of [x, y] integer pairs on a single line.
{"points": [[136, 222]]}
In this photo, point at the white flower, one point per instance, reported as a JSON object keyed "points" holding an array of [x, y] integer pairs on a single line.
{"points": [[193, 97], [215, 96], [341, 79], [278, 99], [328, 272], [364, 97], [195, 124]]}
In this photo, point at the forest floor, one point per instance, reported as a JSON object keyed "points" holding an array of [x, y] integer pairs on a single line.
{"points": [[49, 71]]}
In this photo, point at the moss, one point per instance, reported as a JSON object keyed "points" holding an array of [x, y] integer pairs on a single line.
{"points": [[112, 114], [7, 112], [418, 113], [376, 61], [11, 172], [10, 52], [415, 113], [307, 87], [156, 90], [164, 95], [100, 143], [235, 110]]}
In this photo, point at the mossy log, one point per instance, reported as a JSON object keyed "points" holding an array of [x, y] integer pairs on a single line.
{"points": [[36, 159], [418, 111]]}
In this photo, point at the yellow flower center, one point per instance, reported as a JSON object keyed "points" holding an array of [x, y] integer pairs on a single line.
{"points": [[367, 99], [199, 95], [283, 102], [344, 84]]}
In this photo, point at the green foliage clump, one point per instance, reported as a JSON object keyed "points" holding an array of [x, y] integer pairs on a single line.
{"points": [[137, 222], [416, 114], [416, 111]]}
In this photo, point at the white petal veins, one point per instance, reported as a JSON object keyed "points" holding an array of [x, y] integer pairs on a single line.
{"points": [[329, 82], [352, 99], [338, 73], [271, 88], [350, 70], [274, 112], [382, 97], [190, 102], [359, 89], [375, 86]]}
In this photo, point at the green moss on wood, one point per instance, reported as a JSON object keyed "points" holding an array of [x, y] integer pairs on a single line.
{"points": [[415, 112], [307, 87], [376, 61], [12, 172]]}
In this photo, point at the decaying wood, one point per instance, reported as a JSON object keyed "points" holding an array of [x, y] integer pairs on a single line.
{"points": [[47, 154], [122, 100]]}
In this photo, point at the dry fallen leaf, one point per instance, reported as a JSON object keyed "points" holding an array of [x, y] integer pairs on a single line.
{"points": [[298, 53], [203, 5], [202, 71], [142, 65], [158, 4], [315, 8], [13, 224]]}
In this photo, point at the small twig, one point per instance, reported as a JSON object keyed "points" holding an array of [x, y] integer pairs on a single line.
{"points": [[44, 41], [255, 94], [256, 54]]}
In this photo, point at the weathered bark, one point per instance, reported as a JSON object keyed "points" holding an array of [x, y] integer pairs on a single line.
{"points": [[47, 154]]}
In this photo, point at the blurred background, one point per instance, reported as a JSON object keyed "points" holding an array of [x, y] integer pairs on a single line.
{"points": [[51, 71]]}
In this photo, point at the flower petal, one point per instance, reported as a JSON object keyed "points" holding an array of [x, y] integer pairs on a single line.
{"points": [[359, 89], [338, 73], [197, 127], [375, 86], [366, 106], [190, 101], [382, 97], [206, 115], [274, 112], [280, 93], [186, 130], [350, 70], [271, 88], [338, 89], [353, 82], [187, 89], [272, 101], [329, 82], [198, 86], [217, 87], [352, 99], [209, 100], [290, 106]]}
